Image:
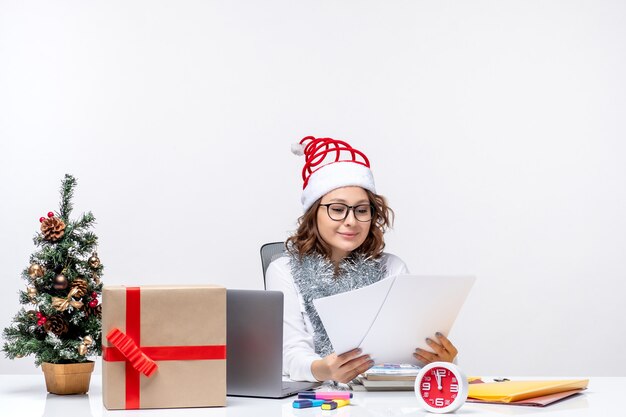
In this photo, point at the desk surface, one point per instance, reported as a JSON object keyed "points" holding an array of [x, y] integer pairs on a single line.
{"points": [[25, 395]]}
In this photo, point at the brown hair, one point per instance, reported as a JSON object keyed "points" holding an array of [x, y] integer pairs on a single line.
{"points": [[307, 239]]}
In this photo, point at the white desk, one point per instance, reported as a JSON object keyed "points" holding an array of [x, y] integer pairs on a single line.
{"points": [[25, 395]]}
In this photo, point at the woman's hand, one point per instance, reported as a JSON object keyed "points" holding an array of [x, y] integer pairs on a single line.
{"points": [[444, 351], [341, 368]]}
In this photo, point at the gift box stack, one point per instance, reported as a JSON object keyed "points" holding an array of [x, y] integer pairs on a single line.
{"points": [[164, 346]]}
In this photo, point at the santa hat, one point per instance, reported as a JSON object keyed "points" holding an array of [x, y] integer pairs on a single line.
{"points": [[331, 164]]}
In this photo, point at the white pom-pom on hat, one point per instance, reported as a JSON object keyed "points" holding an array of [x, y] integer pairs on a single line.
{"points": [[297, 149]]}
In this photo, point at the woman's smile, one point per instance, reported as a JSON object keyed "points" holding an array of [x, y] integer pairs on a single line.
{"points": [[347, 235]]}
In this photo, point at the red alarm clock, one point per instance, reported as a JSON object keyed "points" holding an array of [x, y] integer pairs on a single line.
{"points": [[441, 387]]}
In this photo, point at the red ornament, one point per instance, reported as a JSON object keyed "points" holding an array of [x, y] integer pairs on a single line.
{"points": [[93, 303], [41, 219], [94, 295], [50, 214], [42, 320], [39, 315]]}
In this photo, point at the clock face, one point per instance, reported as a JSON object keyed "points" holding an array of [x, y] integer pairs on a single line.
{"points": [[439, 387]]}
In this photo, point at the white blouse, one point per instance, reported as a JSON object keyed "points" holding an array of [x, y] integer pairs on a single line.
{"points": [[298, 348]]}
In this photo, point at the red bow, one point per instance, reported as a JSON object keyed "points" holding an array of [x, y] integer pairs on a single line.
{"points": [[127, 347]]}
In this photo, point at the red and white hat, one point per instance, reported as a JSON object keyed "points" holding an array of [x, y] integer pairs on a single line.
{"points": [[331, 164]]}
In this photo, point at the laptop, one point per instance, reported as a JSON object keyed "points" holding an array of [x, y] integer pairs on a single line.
{"points": [[254, 346]]}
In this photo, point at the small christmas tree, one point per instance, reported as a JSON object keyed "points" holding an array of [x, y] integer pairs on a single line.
{"points": [[62, 323]]}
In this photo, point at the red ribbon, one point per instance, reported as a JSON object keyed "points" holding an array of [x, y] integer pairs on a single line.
{"points": [[127, 347]]}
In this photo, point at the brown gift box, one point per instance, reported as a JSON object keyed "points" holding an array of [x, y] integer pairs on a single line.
{"points": [[189, 318]]}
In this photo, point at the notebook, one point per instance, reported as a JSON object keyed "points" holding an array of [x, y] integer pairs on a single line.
{"points": [[511, 392], [254, 345]]}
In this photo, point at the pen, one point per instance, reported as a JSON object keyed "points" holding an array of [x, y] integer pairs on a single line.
{"points": [[331, 405], [307, 403], [329, 395]]}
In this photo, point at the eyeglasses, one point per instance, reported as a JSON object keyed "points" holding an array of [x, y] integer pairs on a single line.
{"points": [[339, 211]]}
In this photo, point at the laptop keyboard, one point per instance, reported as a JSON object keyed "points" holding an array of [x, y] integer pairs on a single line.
{"points": [[295, 386]]}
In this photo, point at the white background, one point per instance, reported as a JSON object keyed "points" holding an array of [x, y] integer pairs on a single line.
{"points": [[495, 128]]}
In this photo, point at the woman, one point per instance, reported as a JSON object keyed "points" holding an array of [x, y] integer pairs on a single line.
{"points": [[338, 247]]}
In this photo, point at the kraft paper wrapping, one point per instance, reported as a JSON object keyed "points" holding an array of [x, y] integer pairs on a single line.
{"points": [[170, 316]]}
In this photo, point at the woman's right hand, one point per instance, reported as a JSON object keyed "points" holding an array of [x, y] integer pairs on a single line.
{"points": [[341, 368]]}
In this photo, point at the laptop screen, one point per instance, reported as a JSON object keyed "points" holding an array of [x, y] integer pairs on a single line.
{"points": [[254, 340]]}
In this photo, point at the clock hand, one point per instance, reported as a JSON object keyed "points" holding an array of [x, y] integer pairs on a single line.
{"points": [[438, 376]]}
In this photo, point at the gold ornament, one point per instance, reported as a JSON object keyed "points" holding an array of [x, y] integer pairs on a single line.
{"points": [[61, 304], [96, 278], [31, 314], [87, 340], [60, 282], [32, 294], [80, 285], [19, 356], [94, 261], [36, 271], [82, 350], [52, 229]]}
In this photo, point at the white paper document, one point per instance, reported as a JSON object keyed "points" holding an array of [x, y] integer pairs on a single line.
{"points": [[394, 316]]}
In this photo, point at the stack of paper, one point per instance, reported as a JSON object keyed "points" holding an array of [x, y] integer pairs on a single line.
{"points": [[395, 315], [392, 372], [387, 377]]}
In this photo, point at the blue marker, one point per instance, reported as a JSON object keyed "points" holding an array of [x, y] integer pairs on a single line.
{"points": [[307, 403]]}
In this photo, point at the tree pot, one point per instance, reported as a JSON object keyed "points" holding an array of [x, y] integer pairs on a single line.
{"points": [[67, 378]]}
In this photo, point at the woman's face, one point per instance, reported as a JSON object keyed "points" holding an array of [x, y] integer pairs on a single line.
{"points": [[346, 235]]}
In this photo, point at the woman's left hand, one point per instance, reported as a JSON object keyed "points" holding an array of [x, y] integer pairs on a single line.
{"points": [[444, 350]]}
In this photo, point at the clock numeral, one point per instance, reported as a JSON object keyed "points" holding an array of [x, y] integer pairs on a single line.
{"points": [[454, 388], [439, 402], [426, 386]]}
